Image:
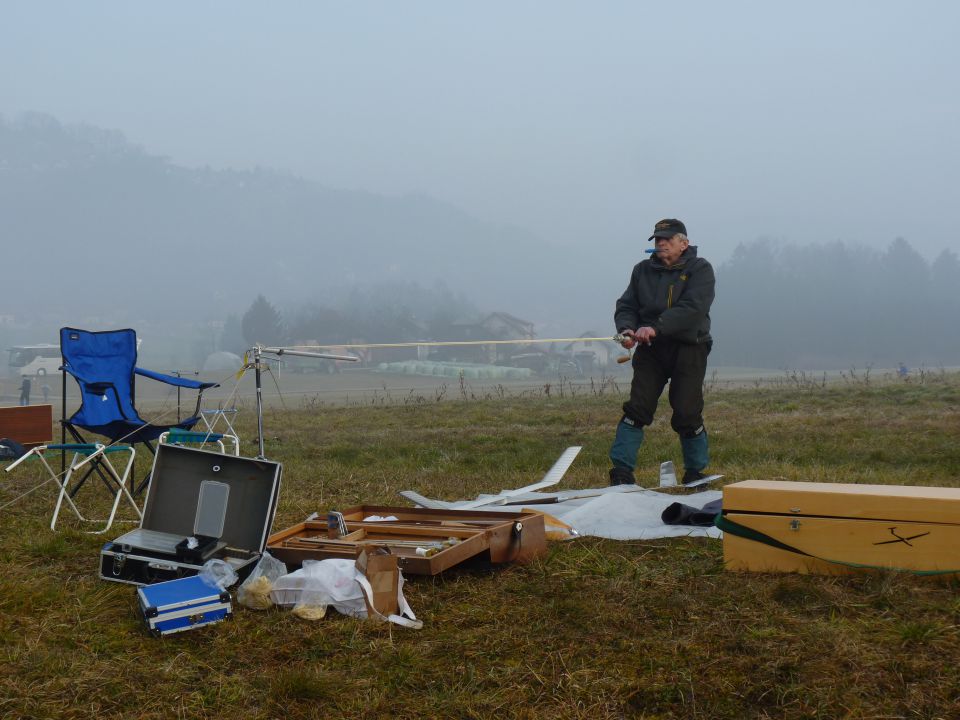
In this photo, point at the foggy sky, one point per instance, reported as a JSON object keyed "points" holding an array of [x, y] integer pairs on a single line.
{"points": [[582, 122]]}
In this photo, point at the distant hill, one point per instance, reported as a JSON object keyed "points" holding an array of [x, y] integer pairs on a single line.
{"points": [[92, 220]]}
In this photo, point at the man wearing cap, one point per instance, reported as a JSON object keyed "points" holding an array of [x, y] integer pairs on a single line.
{"points": [[665, 314]]}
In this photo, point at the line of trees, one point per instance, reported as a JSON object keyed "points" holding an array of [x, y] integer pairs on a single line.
{"points": [[836, 305], [820, 306], [392, 312]]}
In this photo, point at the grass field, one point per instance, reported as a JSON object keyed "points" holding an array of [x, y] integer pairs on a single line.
{"points": [[596, 629]]}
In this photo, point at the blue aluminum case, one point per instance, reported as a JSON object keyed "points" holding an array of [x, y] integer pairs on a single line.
{"points": [[183, 604]]}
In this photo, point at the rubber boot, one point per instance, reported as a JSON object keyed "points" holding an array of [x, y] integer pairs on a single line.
{"points": [[623, 452], [621, 476], [696, 451]]}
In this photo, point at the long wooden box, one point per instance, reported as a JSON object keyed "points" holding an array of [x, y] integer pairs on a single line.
{"points": [[420, 538], [834, 528]]}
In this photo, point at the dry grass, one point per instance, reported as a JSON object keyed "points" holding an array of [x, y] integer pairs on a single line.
{"points": [[596, 629]]}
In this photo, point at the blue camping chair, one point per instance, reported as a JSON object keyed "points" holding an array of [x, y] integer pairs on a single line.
{"points": [[104, 364]]}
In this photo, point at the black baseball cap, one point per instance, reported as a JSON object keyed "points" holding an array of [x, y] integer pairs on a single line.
{"points": [[667, 228]]}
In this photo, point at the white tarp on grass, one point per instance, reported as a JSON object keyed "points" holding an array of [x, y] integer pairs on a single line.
{"points": [[632, 516], [621, 512]]}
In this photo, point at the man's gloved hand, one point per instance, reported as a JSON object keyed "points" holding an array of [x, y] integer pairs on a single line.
{"points": [[628, 339]]}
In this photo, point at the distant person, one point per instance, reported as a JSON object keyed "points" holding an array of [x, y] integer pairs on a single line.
{"points": [[45, 389], [902, 370], [25, 391], [665, 314]]}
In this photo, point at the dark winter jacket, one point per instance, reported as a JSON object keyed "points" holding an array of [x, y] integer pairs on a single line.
{"points": [[675, 301]]}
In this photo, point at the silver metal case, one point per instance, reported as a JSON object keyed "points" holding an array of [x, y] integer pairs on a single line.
{"points": [[197, 492]]}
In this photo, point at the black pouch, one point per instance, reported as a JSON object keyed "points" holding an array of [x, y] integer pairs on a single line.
{"points": [[11, 449], [206, 546]]}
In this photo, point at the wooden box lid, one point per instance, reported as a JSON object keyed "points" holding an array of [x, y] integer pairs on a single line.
{"points": [[844, 500]]}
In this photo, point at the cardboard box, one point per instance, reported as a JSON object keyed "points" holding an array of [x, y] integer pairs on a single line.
{"points": [[836, 528], [383, 573]]}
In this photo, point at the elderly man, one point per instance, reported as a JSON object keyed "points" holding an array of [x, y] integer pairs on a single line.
{"points": [[665, 314]]}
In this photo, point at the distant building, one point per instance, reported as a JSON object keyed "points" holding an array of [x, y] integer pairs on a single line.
{"points": [[495, 326], [503, 326], [592, 354]]}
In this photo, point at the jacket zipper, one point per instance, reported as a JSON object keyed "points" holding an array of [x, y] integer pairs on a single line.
{"points": [[669, 296]]}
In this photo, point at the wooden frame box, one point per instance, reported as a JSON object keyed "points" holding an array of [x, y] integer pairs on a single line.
{"points": [[425, 541], [835, 528]]}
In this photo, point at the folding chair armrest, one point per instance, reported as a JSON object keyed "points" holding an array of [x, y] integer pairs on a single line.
{"points": [[92, 384], [173, 380]]}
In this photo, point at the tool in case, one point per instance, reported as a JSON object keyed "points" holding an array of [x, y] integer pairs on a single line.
{"points": [[425, 541]]}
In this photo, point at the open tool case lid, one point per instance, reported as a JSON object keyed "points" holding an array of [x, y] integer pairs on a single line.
{"points": [[248, 487]]}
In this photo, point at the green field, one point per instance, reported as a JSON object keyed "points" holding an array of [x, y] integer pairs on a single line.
{"points": [[596, 629]]}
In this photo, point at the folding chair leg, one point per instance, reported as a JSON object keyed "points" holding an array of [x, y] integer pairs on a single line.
{"points": [[63, 494], [79, 439], [121, 483], [117, 482], [145, 483]]}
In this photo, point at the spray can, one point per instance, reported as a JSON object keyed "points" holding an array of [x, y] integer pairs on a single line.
{"points": [[668, 476], [336, 525]]}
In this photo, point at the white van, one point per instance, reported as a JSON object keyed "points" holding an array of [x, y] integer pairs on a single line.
{"points": [[36, 360]]}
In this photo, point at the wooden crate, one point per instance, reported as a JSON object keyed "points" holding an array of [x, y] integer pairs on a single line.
{"points": [[834, 528], [463, 533]]}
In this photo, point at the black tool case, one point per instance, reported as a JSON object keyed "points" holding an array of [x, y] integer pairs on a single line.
{"points": [[200, 505]]}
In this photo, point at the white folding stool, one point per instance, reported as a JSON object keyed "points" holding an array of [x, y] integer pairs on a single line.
{"points": [[198, 437], [212, 417], [84, 453]]}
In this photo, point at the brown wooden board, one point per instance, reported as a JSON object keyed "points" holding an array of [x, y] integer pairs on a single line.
{"points": [[29, 425], [445, 538]]}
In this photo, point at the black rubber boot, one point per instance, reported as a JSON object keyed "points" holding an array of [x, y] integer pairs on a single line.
{"points": [[621, 476], [691, 476]]}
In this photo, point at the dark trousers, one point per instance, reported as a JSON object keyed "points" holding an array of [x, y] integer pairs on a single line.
{"points": [[685, 366]]}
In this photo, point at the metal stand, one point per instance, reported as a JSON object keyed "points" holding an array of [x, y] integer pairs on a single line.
{"points": [[258, 351]]}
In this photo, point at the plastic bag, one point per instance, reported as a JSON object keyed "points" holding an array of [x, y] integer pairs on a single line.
{"points": [[328, 583], [218, 574], [336, 583], [254, 592]]}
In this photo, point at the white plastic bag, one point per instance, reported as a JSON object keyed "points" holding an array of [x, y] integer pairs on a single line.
{"points": [[218, 573], [254, 592], [339, 584], [329, 583]]}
